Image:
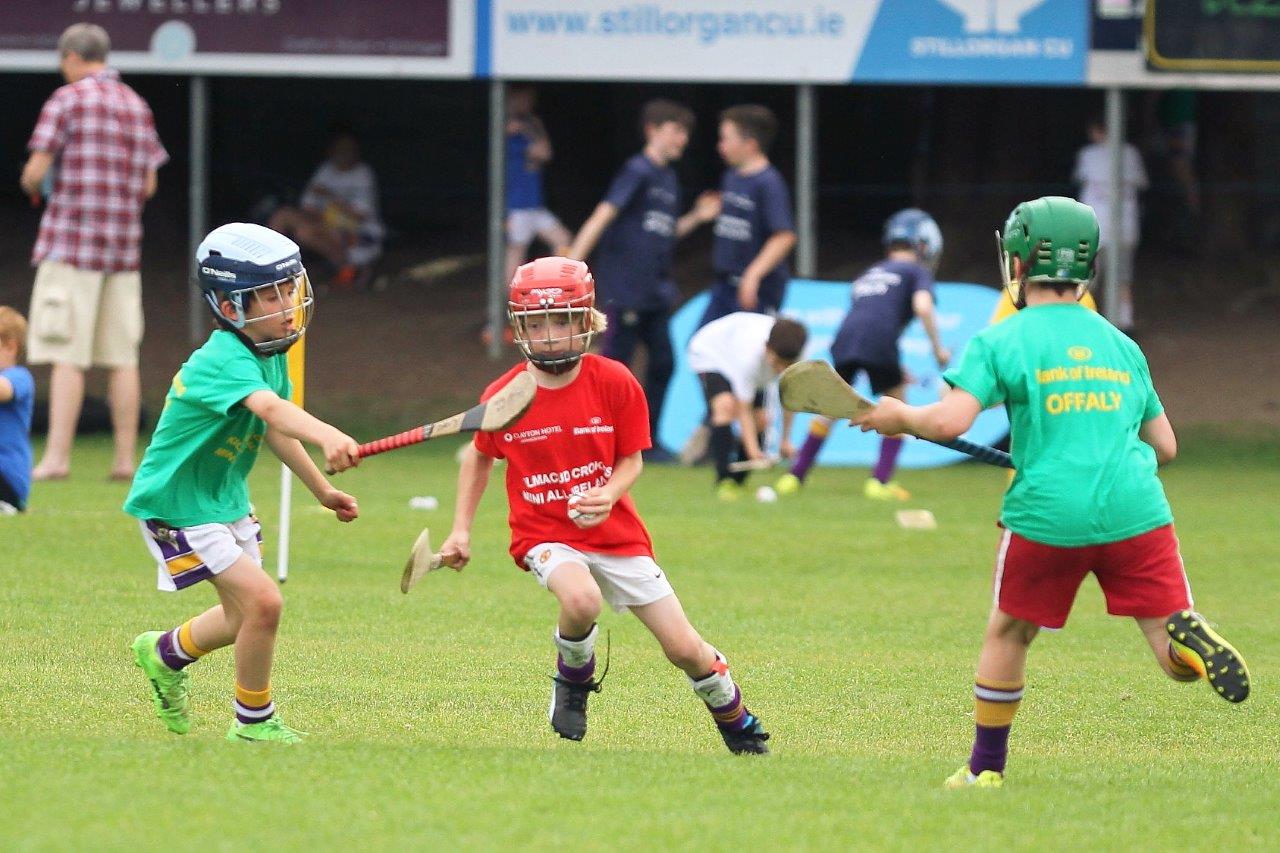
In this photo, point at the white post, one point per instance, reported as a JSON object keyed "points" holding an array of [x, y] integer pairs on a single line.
{"points": [[806, 191], [286, 501], [497, 213], [1114, 228], [197, 320]]}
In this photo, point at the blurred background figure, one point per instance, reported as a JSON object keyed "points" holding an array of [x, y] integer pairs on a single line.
{"points": [[86, 305], [636, 227], [1093, 174], [338, 216], [528, 151]]}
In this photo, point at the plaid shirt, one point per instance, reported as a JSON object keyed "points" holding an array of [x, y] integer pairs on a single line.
{"points": [[105, 142]]}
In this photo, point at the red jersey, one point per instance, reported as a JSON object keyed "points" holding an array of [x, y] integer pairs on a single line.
{"points": [[568, 443]]}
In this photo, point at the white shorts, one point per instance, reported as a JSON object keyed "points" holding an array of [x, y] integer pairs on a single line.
{"points": [[188, 555], [625, 582], [85, 318], [525, 224]]}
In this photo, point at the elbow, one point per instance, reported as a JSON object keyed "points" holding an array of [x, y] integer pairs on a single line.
{"points": [[949, 427], [1167, 453], [949, 430]]}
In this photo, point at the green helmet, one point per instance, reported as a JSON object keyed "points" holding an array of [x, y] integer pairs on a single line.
{"points": [[1056, 239]]}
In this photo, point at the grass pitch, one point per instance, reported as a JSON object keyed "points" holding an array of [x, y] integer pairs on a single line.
{"points": [[854, 640]]}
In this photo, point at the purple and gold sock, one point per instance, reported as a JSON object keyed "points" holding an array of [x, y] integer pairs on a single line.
{"points": [[889, 448], [721, 695], [995, 704], [575, 656], [253, 706], [576, 673], [176, 648], [808, 453]]}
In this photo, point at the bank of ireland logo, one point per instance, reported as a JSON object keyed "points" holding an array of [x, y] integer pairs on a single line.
{"points": [[1080, 353], [998, 16]]}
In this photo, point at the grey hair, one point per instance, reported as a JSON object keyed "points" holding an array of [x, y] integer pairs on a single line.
{"points": [[90, 42]]}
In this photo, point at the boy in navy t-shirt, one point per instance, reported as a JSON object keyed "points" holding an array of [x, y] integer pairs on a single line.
{"points": [[633, 232], [17, 399], [885, 299], [755, 229]]}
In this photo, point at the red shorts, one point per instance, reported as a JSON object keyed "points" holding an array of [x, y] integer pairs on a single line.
{"points": [[1141, 576]]}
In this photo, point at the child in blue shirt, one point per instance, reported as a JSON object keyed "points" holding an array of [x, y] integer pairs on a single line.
{"points": [[17, 399]]}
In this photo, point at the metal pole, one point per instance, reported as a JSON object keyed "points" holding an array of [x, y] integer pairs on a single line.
{"points": [[197, 322], [806, 170], [1115, 235], [497, 213]]}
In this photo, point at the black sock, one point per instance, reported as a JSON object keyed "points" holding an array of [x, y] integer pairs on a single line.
{"points": [[722, 442]]}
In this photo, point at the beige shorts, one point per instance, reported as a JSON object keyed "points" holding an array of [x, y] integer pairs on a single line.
{"points": [[85, 318], [625, 582]]}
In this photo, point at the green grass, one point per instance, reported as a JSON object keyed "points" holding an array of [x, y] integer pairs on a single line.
{"points": [[854, 640]]}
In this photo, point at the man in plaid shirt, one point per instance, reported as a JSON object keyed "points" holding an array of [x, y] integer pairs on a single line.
{"points": [[86, 307]]}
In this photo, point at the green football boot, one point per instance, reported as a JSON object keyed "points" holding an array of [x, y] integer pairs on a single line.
{"points": [[1208, 653], [168, 686], [271, 729], [963, 778]]}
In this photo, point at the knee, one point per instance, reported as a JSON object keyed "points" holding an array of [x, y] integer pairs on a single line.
{"points": [[264, 608], [688, 653], [1013, 631], [582, 604], [722, 409]]}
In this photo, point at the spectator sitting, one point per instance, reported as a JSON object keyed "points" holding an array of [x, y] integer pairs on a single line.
{"points": [[17, 399], [338, 216]]}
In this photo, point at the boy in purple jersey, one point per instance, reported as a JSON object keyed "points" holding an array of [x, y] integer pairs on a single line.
{"points": [[635, 228], [755, 229], [885, 298]]}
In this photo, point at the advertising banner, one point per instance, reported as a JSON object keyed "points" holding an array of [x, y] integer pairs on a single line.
{"points": [[963, 310], [417, 38], [1025, 42]]}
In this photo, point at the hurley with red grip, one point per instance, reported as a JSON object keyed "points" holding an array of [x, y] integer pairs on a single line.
{"points": [[498, 412]]}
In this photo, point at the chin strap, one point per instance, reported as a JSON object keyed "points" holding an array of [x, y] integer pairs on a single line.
{"points": [[557, 366]]}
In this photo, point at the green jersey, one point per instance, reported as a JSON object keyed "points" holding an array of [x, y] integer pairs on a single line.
{"points": [[196, 468], [1077, 390]]}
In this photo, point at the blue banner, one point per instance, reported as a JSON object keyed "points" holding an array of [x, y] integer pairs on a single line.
{"points": [[977, 41], [963, 310]]}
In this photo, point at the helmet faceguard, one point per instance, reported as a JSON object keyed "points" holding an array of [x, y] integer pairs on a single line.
{"points": [[290, 297], [259, 272], [917, 229], [1055, 242], [551, 306]]}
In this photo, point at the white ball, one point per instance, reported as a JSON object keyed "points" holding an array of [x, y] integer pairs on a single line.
{"points": [[424, 502], [574, 512], [766, 495]]}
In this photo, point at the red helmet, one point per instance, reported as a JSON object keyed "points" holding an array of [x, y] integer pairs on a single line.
{"points": [[546, 293]]}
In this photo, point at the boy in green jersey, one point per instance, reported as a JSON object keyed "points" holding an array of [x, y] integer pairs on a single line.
{"points": [[190, 493], [1087, 432]]}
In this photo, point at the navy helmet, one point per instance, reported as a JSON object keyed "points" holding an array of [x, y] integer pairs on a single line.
{"points": [[916, 229], [241, 258]]}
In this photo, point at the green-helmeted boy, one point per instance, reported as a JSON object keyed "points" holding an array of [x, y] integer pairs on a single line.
{"points": [[1087, 433], [190, 494]]}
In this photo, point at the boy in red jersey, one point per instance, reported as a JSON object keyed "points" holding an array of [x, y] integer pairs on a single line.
{"points": [[571, 460]]}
